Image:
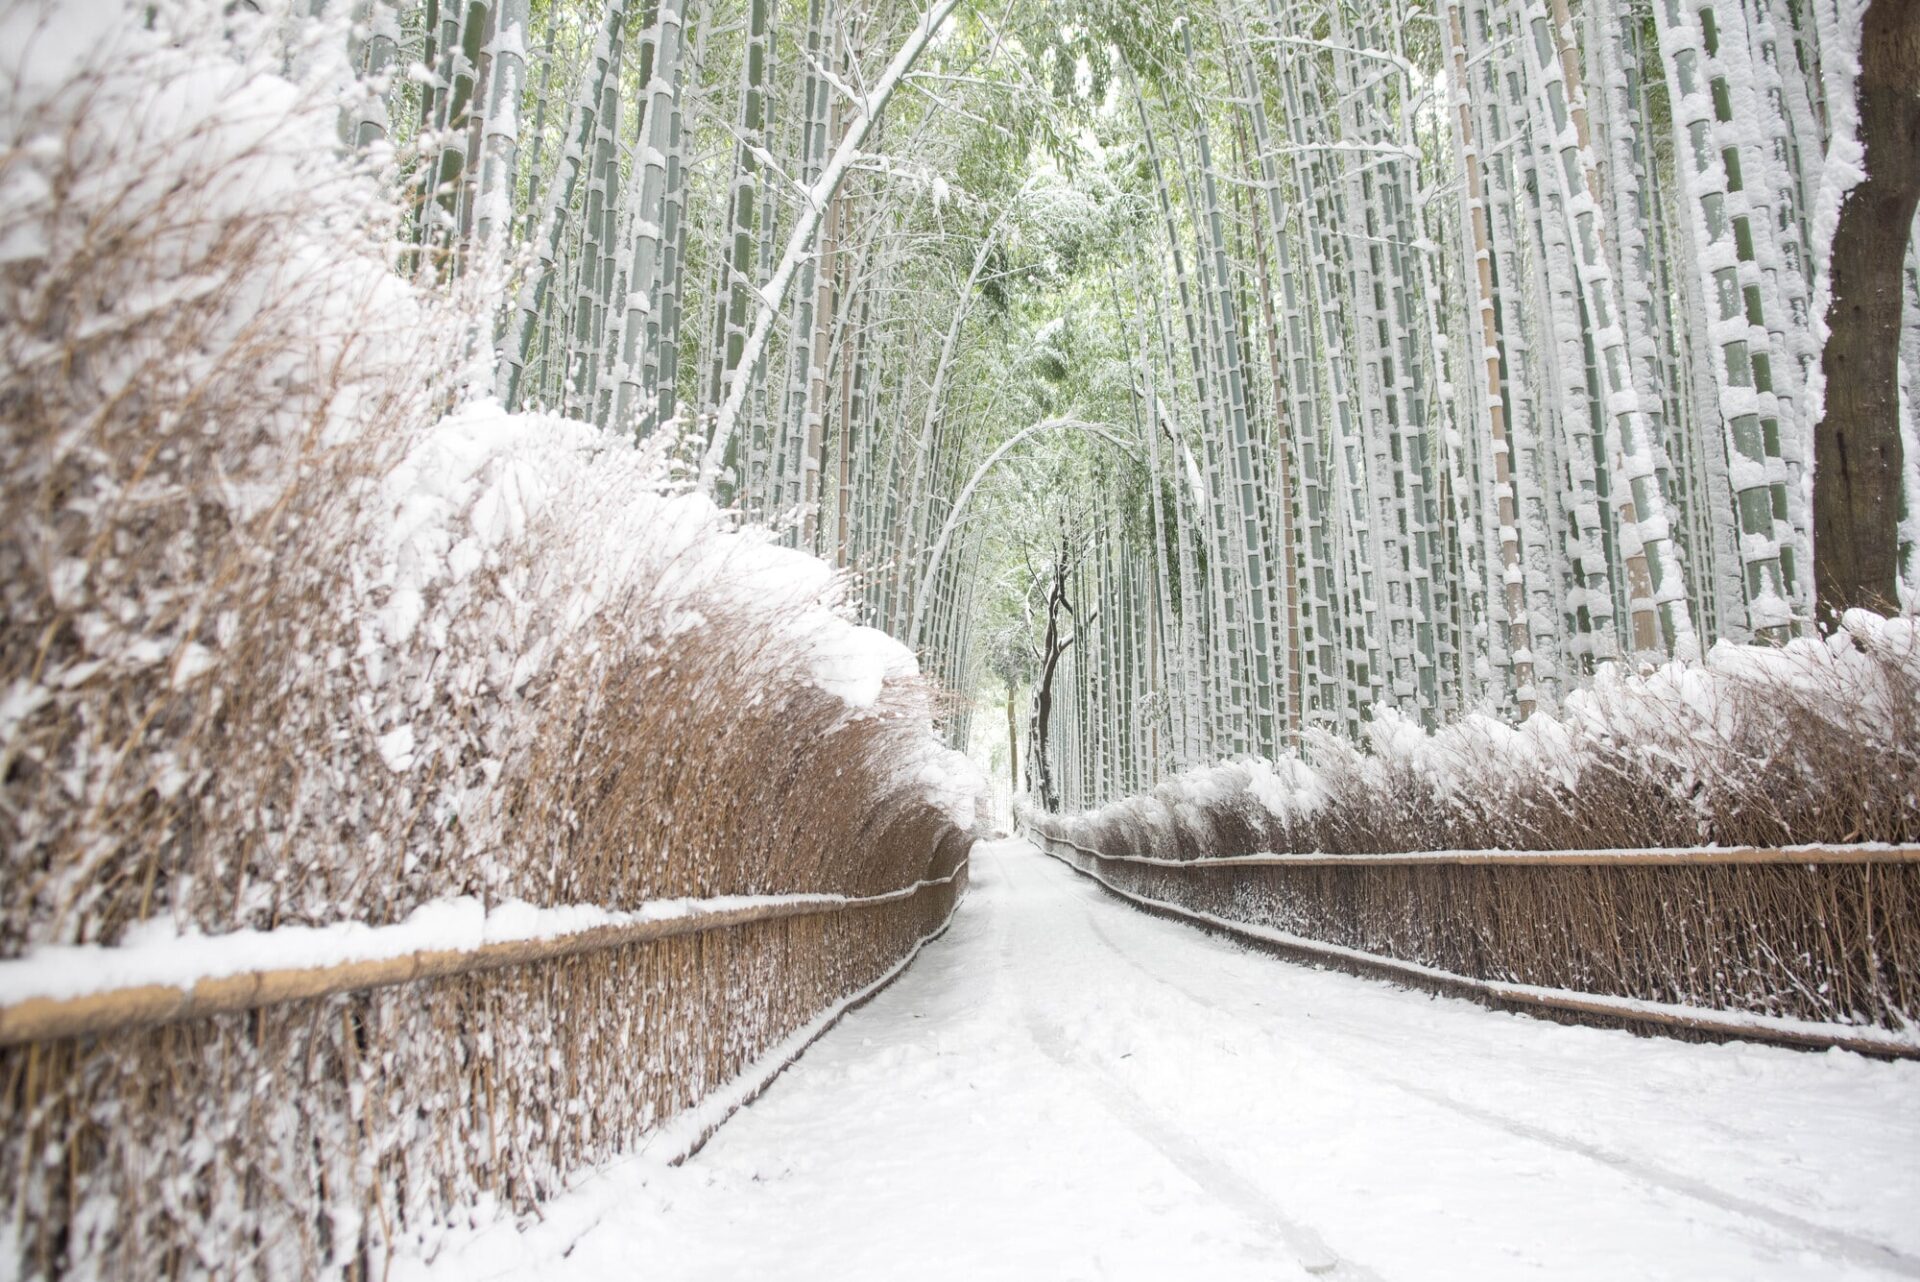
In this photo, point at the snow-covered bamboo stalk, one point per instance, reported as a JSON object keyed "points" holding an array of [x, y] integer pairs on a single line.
{"points": [[531, 304], [1475, 220], [641, 328], [772, 293]]}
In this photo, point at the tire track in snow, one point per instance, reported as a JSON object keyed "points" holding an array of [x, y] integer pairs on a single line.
{"points": [[1180, 1149], [1187, 1156], [1852, 1248]]}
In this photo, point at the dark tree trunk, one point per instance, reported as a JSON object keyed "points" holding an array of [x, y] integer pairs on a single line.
{"points": [[1857, 456], [1013, 743], [1051, 650]]}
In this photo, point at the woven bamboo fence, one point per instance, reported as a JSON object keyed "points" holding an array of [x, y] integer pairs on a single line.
{"points": [[1804, 946], [314, 1122]]}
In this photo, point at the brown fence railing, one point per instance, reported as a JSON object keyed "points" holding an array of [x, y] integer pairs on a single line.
{"points": [[1692, 857], [317, 1121], [1804, 946], [143, 1005]]}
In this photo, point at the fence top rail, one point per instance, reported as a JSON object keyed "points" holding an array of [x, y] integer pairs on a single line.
{"points": [[55, 994], [1675, 857]]}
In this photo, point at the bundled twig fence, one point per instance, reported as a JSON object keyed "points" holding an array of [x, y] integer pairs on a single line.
{"points": [[1808, 946], [315, 1121]]}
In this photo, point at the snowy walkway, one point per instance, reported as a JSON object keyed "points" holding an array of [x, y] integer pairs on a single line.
{"points": [[1065, 1088]]}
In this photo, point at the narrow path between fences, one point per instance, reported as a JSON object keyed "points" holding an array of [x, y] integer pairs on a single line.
{"points": [[1063, 1087]]}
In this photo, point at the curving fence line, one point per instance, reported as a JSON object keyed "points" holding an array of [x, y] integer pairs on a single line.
{"points": [[121, 1007], [320, 1120], [1813, 946]]}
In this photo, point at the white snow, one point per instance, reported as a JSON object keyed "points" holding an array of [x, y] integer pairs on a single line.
{"points": [[1683, 711], [470, 491], [1065, 1088], [686, 1131]]}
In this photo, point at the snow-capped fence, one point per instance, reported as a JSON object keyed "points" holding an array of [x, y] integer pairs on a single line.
{"points": [[53, 995], [310, 1134], [1806, 946], [1724, 845]]}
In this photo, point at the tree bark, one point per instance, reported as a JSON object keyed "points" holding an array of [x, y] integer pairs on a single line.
{"points": [[1051, 651], [1857, 453], [1013, 743]]}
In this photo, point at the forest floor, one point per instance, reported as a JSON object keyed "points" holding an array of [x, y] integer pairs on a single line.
{"points": [[1063, 1087]]}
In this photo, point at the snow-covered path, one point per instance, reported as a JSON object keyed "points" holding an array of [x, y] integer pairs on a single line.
{"points": [[1063, 1087]]}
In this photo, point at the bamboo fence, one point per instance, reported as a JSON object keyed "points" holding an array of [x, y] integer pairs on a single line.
{"points": [[316, 1121], [1811, 946]]}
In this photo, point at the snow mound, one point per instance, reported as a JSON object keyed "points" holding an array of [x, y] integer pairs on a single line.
{"points": [[1815, 740]]}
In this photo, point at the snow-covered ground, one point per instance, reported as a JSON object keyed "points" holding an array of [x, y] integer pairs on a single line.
{"points": [[1065, 1088]]}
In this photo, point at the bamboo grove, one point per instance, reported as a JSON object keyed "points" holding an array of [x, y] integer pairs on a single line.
{"points": [[1473, 346], [1210, 374]]}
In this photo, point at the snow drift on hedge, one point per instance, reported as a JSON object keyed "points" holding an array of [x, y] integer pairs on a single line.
{"points": [[480, 488], [1816, 740], [465, 496]]}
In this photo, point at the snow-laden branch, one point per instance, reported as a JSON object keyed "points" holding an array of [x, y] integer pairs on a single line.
{"points": [[807, 226], [939, 552]]}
